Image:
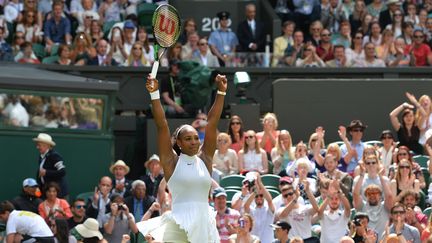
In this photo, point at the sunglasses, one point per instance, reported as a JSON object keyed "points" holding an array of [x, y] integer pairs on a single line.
{"points": [[404, 167], [79, 206], [203, 44], [371, 163], [288, 194], [358, 130], [387, 137], [398, 212], [314, 140], [259, 195], [235, 123], [418, 36], [249, 137], [403, 154]]}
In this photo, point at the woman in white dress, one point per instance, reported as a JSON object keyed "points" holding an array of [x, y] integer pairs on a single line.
{"points": [[187, 168]]}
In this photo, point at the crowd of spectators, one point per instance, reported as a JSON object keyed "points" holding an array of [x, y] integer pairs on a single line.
{"points": [[39, 111], [351, 190], [326, 33]]}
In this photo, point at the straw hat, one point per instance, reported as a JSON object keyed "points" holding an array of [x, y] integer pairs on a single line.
{"points": [[154, 157], [120, 163], [89, 229], [44, 138]]}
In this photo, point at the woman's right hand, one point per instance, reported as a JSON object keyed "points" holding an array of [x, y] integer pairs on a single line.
{"points": [[152, 84]]}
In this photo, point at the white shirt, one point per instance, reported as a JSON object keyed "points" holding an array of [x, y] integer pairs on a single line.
{"points": [[333, 225], [300, 221], [263, 217], [27, 223], [12, 10]]}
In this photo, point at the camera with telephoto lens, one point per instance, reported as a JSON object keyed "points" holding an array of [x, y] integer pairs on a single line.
{"points": [[250, 184]]}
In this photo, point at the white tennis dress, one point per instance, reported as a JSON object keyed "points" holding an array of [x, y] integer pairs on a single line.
{"points": [[189, 186]]}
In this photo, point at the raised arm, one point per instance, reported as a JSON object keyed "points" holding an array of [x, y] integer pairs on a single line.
{"points": [[394, 115], [388, 195], [357, 199], [166, 152], [343, 137], [209, 145], [266, 194]]}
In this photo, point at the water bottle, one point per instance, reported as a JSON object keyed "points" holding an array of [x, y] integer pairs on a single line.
{"points": [[267, 52]]}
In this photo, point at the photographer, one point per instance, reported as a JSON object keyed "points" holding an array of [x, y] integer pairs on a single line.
{"points": [[248, 185], [119, 222], [359, 230]]}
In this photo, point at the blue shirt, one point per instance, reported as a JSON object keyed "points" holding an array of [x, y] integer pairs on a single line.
{"points": [[409, 232], [354, 160], [224, 41], [57, 32]]}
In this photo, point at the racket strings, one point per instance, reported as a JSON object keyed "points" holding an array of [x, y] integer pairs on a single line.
{"points": [[166, 26]]}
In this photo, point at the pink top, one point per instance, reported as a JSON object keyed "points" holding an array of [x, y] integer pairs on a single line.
{"points": [[268, 145], [45, 211]]}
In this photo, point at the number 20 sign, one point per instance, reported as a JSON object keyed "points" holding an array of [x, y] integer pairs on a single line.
{"points": [[210, 24]]}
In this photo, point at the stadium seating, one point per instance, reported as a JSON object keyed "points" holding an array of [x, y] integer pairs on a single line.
{"points": [[232, 182], [271, 181], [422, 160], [85, 195], [50, 59], [427, 211]]}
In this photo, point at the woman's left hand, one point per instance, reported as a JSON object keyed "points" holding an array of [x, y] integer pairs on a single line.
{"points": [[221, 82]]}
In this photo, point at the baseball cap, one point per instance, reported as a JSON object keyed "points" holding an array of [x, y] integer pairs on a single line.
{"points": [[30, 182], [128, 25], [286, 179], [219, 192], [223, 15], [281, 225]]}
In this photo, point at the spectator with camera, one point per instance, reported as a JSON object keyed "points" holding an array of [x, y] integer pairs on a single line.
{"points": [[119, 221], [263, 213], [239, 199], [359, 230]]}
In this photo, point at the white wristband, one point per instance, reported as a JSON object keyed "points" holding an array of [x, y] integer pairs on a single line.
{"points": [[221, 93], [155, 95]]}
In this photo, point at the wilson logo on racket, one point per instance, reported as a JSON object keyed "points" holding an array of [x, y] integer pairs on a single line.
{"points": [[167, 25]]}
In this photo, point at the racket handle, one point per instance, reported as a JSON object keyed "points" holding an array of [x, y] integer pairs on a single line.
{"points": [[154, 69]]}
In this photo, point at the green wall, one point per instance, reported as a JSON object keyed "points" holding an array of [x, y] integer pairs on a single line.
{"points": [[87, 158]]}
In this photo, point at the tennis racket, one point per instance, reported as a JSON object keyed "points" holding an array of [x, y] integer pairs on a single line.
{"points": [[166, 29]]}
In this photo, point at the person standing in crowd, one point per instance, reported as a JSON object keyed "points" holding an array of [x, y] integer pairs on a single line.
{"points": [[226, 217], [267, 138], [334, 213], [250, 32], [407, 131], [24, 225], [377, 208], [356, 130], [29, 199], [51, 165], [187, 169], [282, 42], [223, 41], [121, 185], [100, 201], [153, 176], [262, 212]]}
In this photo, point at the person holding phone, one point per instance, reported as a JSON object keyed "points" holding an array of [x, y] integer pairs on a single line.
{"points": [[244, 228], [187, 169]]}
